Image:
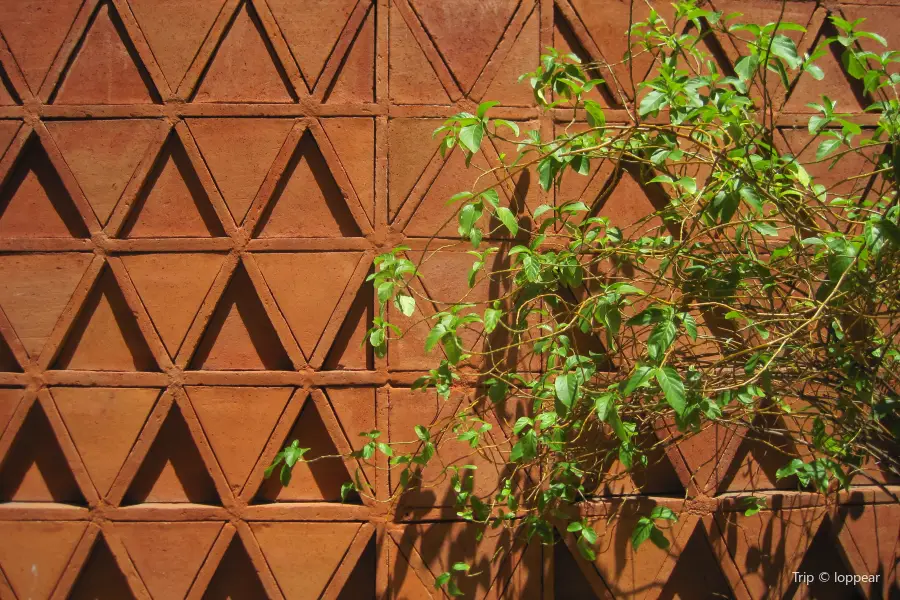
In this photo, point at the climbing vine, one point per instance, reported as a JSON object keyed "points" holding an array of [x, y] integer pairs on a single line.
{"points": [[758, 293]]}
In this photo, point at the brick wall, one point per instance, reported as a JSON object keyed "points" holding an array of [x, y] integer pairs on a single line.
{"points": [[192, 193]]}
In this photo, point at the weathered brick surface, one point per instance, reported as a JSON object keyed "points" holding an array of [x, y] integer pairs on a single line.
{"points": [[191, 193]]}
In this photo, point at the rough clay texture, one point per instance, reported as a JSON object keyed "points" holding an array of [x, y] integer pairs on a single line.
{"points": [[191, 194]]}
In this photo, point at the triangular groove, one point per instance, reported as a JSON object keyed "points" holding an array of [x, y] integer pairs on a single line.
{"points": [[244, 67], [34, 201], [100, 577], [172, 201], [349, 351], [361, 583], [173, 470], [354, 80], [569, 582], [104, 67], [105, 336], [8, 362], [239, 336], [316, 481], [308, 188], [236, 576], [35, 468]]}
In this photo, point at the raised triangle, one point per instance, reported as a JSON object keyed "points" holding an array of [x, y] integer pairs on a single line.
{"points": [[485, 23], [244, 68], [172, 287], [239, 153], [236, 576], [349, 350], [219, 408], [313, 481], [35, 468], [522, 57], [627, 204], [172, 201], [101, 576], [168, 556], [34, 553], [569, 582], [757, 460], [311, 31], [33, 304], [35, 41], [103, 155], [308, 309], [34, 203], [412, 78], [835, 84], [173, 470], [174, 30], [104, 424], [355, 78], [239, 336], [106, 68], [433, 211], [330, 540], [361, 583], [408, 157], [354, 141], [307, 187], [105, 336]]}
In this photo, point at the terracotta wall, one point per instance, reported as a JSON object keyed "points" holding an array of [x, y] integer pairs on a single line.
{"points": [[192, 193]]}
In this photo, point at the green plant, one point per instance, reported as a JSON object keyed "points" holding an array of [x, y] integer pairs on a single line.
{"points": [[754, 293]]}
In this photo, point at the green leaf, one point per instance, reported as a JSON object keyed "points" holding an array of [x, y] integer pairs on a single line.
{"points": [[573, 527], [652, 103], [385, 449], [510, 124], [672, 386], [641, 532], [827, 147], [595, 115], [491, 318], [663, 512], [484, 107], [525, 448], [470, 137], [406, 304], [467, 217], [422, 433], [566, 389], [746, 67], [603, 404], [783, 47], [690, 326], [434, 336], [521, 424], [661, 338], [641, 375], [509, 220]]}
